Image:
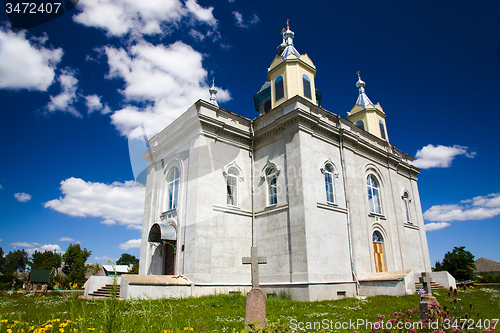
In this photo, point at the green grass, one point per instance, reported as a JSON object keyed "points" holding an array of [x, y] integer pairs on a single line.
{"points": [[221, 313]]}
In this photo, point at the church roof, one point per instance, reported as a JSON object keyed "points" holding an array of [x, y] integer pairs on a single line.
{"points": [[362, 98], [288, 41]]}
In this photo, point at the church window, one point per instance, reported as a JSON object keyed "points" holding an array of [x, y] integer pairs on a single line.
{"points": [[307, 86], [373, 195], [360, 124], [173, 188], [382, 129], [279, 89], [272, 186], [329, 183], [232, 187], [406, 202]]}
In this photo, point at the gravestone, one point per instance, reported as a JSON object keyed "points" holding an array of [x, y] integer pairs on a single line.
{"points": [[255, 310], [428, 299]]}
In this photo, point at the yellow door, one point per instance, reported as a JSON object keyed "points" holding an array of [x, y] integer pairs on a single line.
{"points": [[378, 251]]}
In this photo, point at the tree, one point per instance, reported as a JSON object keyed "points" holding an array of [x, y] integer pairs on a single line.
{"points": [[2, 261], [459, 263], [13, 263], [45, 260], [16, 261], [129, 259], [74, 264]]}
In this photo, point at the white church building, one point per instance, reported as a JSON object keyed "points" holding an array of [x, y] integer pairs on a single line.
{"points": [[335, 206]]}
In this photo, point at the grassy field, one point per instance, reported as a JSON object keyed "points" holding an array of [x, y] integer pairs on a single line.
{"points": [[225, 313]]}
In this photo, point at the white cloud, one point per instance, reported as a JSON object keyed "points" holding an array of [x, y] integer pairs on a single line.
{"points": [[478, 208], [66, 239], [130, 244], [22, 197], [67, 97], [436, 226], [23, 244], [26, 63], [166, 77], [50, 247], [122, 203], [30, 248], [439, 156], [93, 103], [240, 22], [1, 187], [146, 17]]}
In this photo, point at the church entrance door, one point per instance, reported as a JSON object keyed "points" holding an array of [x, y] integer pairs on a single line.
{"points": [[378, 252], [169, 259]]}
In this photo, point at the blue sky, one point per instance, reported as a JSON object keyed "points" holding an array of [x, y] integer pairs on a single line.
{"points": [[73, 89]]}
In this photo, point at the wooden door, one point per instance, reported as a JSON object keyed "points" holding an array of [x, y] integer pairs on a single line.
{"points": [[378, 252], [169, 263]]}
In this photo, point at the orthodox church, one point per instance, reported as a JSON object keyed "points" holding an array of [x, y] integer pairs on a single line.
{"points": [[332, 205]]}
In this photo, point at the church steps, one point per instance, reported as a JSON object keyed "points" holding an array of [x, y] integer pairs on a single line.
{"points": [[105, 291]]}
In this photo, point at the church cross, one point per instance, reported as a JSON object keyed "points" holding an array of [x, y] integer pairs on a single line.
{"points": [[425, 279], [358, 74], [254, 260]]}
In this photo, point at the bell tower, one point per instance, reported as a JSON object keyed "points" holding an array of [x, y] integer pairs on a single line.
{"points": [[366, 115], [290, 74]]}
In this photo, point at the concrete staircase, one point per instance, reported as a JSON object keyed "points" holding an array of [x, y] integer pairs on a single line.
{"points": [[106, 291], [434, 286]]}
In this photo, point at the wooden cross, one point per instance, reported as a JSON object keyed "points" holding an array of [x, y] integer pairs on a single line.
{"points": [[425, 279], [254, 260]]}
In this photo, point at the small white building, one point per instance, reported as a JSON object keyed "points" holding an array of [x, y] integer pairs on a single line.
{"points": [[336, 206]]}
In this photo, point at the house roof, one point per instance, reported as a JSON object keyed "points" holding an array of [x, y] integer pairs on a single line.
{"points": [[486, 265], [118, 268]]}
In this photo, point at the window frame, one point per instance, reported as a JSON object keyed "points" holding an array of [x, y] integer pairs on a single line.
{"points": [[406, 204], [272, 186], [360, 124], [232, 179], [329, 172], [382, 129], [374, 192], [281, 81], [305, 79], [173, 181]]}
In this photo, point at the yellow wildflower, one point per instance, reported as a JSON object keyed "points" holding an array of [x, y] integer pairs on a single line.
{"points": [[9, 330], [3, 321], [91, 329], [61, 330]]}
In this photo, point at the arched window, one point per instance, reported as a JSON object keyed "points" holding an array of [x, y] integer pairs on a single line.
{"points": [[232, 187], [272, 186], [330, 198], [373, 194], [382, 129], [406, 203], [173, 188], [378, 251], [307, 86], [360, 124], [279, 88]]}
